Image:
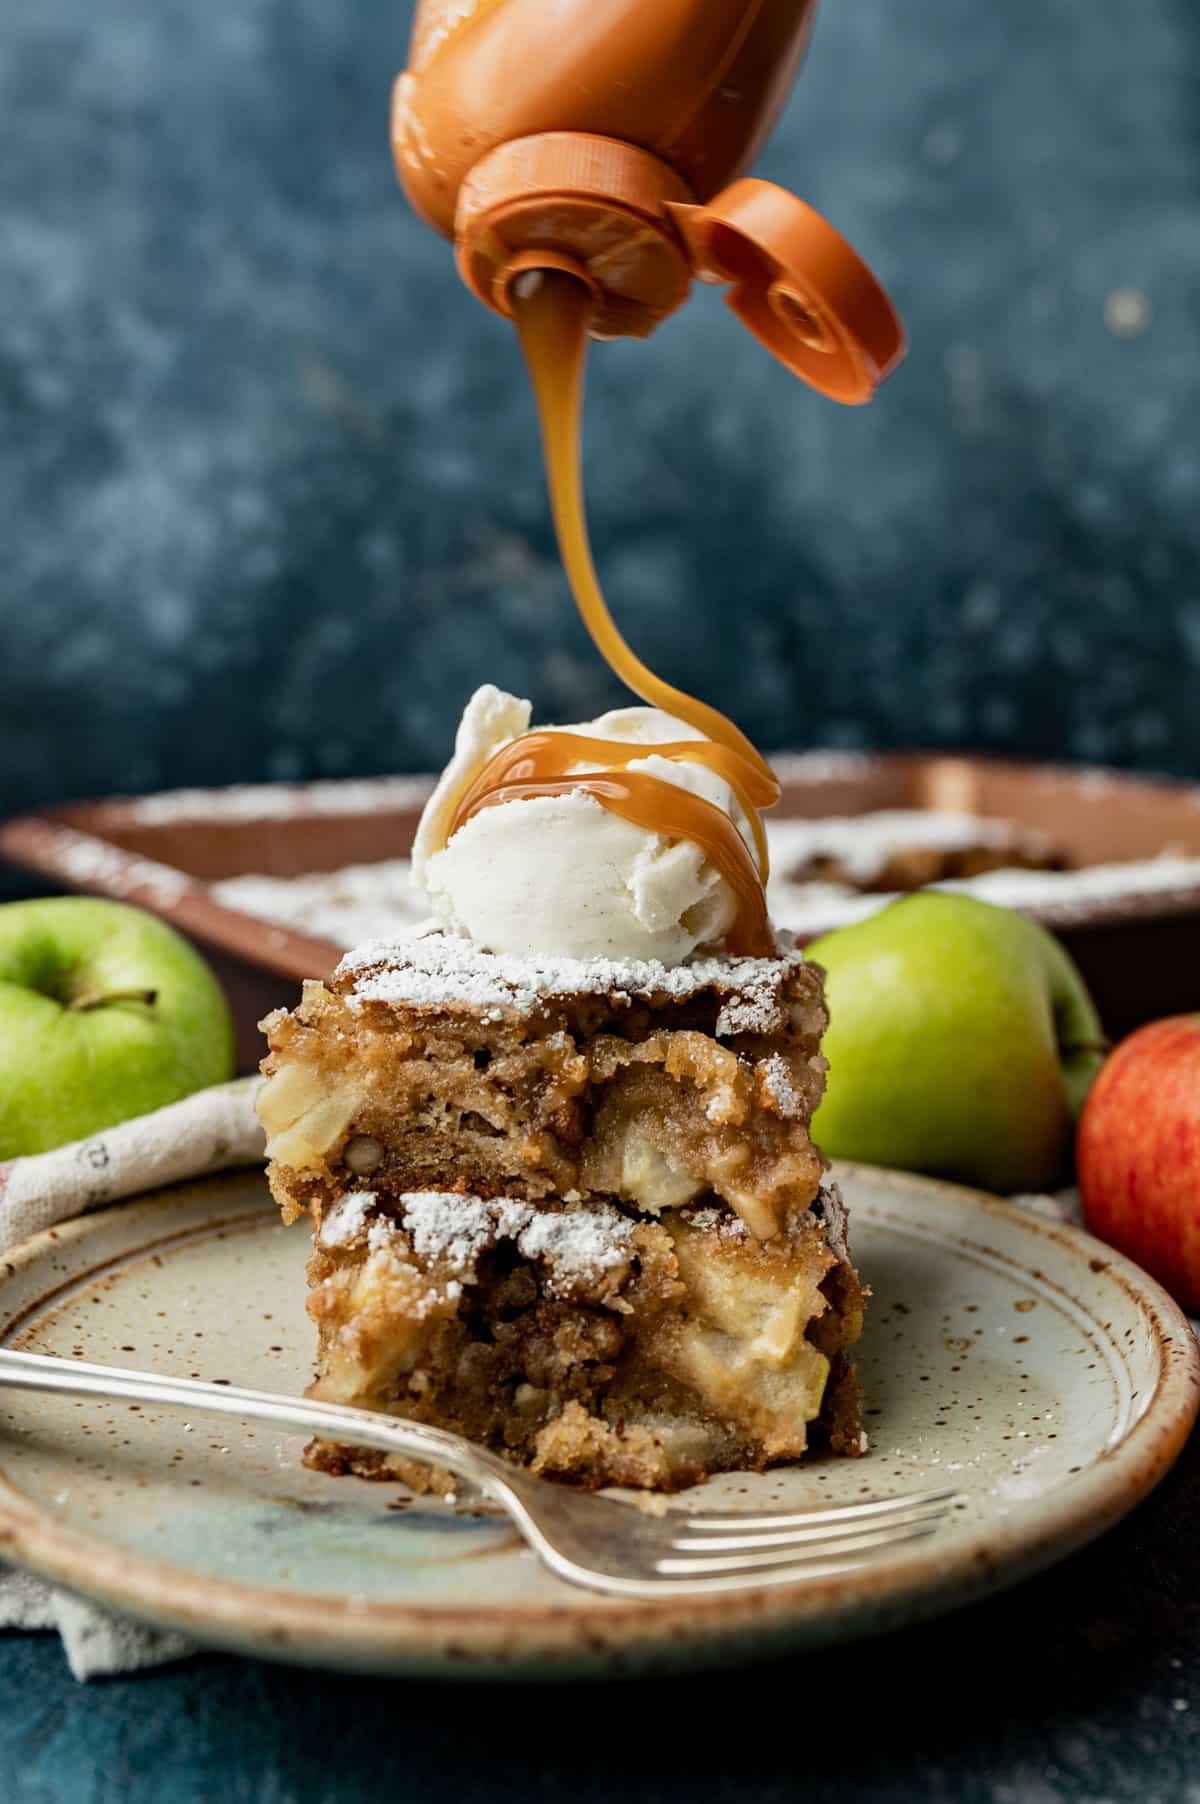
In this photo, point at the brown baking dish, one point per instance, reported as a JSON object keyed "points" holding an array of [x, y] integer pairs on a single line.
{"points": [[1140, 953]]}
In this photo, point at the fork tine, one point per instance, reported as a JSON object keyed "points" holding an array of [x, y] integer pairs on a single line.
{"points": [[809, 1533], [850, 1512], [810, 1573], [748, 1563]]}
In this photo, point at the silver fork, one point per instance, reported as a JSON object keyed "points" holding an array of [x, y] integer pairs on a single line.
{"points": [[598, 1542]]}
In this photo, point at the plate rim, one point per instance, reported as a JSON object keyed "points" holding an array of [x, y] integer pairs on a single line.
{"points": [[567, 1639]]}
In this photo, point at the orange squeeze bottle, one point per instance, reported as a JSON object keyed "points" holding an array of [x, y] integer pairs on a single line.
{"points": [[608, 139]]}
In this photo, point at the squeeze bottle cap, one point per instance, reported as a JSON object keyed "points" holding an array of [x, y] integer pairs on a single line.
{"points": [[625, 223], [797, 285]]}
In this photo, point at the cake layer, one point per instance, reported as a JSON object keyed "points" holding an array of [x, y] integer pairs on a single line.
{"points": [[588, 1343], [430, 1065], [445, 972]]}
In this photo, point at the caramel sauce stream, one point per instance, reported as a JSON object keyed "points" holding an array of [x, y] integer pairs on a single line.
{"points": [[551, 310], [551, 315]]}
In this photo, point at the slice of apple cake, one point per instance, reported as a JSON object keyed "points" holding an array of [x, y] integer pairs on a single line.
{"points": [[569, 1208]]}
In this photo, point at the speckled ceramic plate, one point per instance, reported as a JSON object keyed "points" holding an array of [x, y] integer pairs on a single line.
{"points": [[1046, 1378]]}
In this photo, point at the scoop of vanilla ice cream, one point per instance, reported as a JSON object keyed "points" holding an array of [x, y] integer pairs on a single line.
{"points": [[561, 876]]}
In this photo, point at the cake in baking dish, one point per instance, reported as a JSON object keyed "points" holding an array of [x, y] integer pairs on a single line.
{"points": [[569, 1207], [890, 850]]}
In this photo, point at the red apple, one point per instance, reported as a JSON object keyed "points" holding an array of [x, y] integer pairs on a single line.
{"points": [[1138, 1153]]}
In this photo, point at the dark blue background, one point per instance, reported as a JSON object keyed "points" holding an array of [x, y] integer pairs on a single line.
{"points": [[270, 501]]}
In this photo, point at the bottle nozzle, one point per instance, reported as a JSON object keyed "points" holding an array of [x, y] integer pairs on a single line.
{"points": [[522, 271], [595, 207]]}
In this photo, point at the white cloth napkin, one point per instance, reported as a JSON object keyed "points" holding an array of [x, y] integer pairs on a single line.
{"points": [[215, 1130]]}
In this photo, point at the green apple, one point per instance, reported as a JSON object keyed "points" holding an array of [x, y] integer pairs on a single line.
{"points": [[962, 1042], [105, 1013]]}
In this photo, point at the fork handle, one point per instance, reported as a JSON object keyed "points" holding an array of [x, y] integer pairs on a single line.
{"points": [[360, 1427]]}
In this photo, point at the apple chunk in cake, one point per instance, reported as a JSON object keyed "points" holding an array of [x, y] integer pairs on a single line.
{"points": [[585, 1342], [434, 1066]]}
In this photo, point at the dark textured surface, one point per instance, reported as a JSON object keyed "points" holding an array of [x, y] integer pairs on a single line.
{"points": [[1082, 1686], [269, 497]]}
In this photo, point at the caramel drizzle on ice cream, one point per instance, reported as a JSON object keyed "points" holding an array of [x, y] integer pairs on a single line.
{"points": [[537, 764], [551, 310]]}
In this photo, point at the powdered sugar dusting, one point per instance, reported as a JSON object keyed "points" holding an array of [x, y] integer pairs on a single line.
{"points": [[781, 1090], [1056, 897], [358, 903], [578, 1240], [756, 1006], [510, 1216], [275, 801], [1048, 891], [94, 864], [347, 1219], [723, 1221], [454, 1230], [437, 970], [828, 1208], [444, 1225], [381, 1233]]}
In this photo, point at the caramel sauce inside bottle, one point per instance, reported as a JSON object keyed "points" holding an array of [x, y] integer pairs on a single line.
{"points": [[551, 309]]}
